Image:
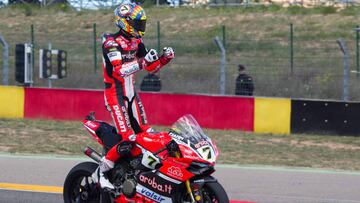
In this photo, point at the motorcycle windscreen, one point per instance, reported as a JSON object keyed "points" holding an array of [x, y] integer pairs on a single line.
{"points": [[187, 131]]}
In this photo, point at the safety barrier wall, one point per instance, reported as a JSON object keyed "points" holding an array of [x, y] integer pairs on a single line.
{"points": [[334, 117], [261, 115], [11, 102], [63, 104], [210, 111], [272, 115], [162, 109]]}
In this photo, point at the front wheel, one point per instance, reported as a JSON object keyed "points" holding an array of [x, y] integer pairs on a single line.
{"points": [[212, 192]]}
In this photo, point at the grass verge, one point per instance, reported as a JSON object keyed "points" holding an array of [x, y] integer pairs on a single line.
{"points": [[236, 147]]}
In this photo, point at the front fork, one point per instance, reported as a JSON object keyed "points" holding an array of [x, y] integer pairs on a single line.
{"points": [[189, 190], [187, 184]]}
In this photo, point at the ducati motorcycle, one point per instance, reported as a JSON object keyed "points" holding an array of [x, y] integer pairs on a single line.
{"points": [[174, 166]]}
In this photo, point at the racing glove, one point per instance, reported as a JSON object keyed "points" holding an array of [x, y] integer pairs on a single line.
{"points": [[167, 56], [151, 56], [153, 63]]}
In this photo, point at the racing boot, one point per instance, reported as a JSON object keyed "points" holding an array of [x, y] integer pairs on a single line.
{"points": [[99, 177]]}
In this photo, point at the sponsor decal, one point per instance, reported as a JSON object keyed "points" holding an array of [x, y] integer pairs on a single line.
{"points": [[91, 124], [134, 44], [202, 143], [176, 171], [122, 42], [127, 120], [176, 136], [129, 68], [114, 56], [119, 118], [111, 43], [128, 56], [152, 195], [165, 188], [113, 49], [142, 111]]}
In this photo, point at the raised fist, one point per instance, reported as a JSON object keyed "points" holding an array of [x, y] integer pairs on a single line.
{"points": [[168, 53]]}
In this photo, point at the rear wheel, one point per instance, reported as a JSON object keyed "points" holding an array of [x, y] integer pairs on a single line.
{"points": [[79, 186]]}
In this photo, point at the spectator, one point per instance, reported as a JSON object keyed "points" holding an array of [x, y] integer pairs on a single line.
{"points": [[244, 83], [151, 82]]}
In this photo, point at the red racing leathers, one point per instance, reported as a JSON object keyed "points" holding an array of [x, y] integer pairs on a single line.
{"points": [[122, 57]]}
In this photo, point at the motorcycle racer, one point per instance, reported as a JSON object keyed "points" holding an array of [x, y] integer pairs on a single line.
{"points": [[124, 54]]}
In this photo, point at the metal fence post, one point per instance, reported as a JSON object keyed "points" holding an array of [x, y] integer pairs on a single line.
{"points": [[5, 60], [49, 79], [81, 5], [222, 65], [158, 36], [224, 35], [291, 39], [33, 45], [95, 53], [346, 71], [357, 30]]}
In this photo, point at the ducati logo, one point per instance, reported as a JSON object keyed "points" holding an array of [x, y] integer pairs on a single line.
{"points": [[119, 118]]}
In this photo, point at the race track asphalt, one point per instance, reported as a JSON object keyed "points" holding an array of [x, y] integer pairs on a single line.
{"points": [[246, 183], [8, 196]]}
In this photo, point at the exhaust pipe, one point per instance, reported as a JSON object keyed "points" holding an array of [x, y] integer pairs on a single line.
{"points": [[88, 151]]}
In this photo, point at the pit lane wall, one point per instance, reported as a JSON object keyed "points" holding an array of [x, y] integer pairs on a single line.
{"points": [[261, 115]]}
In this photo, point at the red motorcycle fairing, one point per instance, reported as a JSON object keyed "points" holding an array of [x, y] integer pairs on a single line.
{"points": [[190, 154], [172, 167], [162, 185], [154, 187], [92, 127], [153, 141], [176, 168], [137, 199], [103, 133]]}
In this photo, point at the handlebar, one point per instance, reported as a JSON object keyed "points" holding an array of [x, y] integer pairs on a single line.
{"points": [[172, 146], [160, 150]]}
